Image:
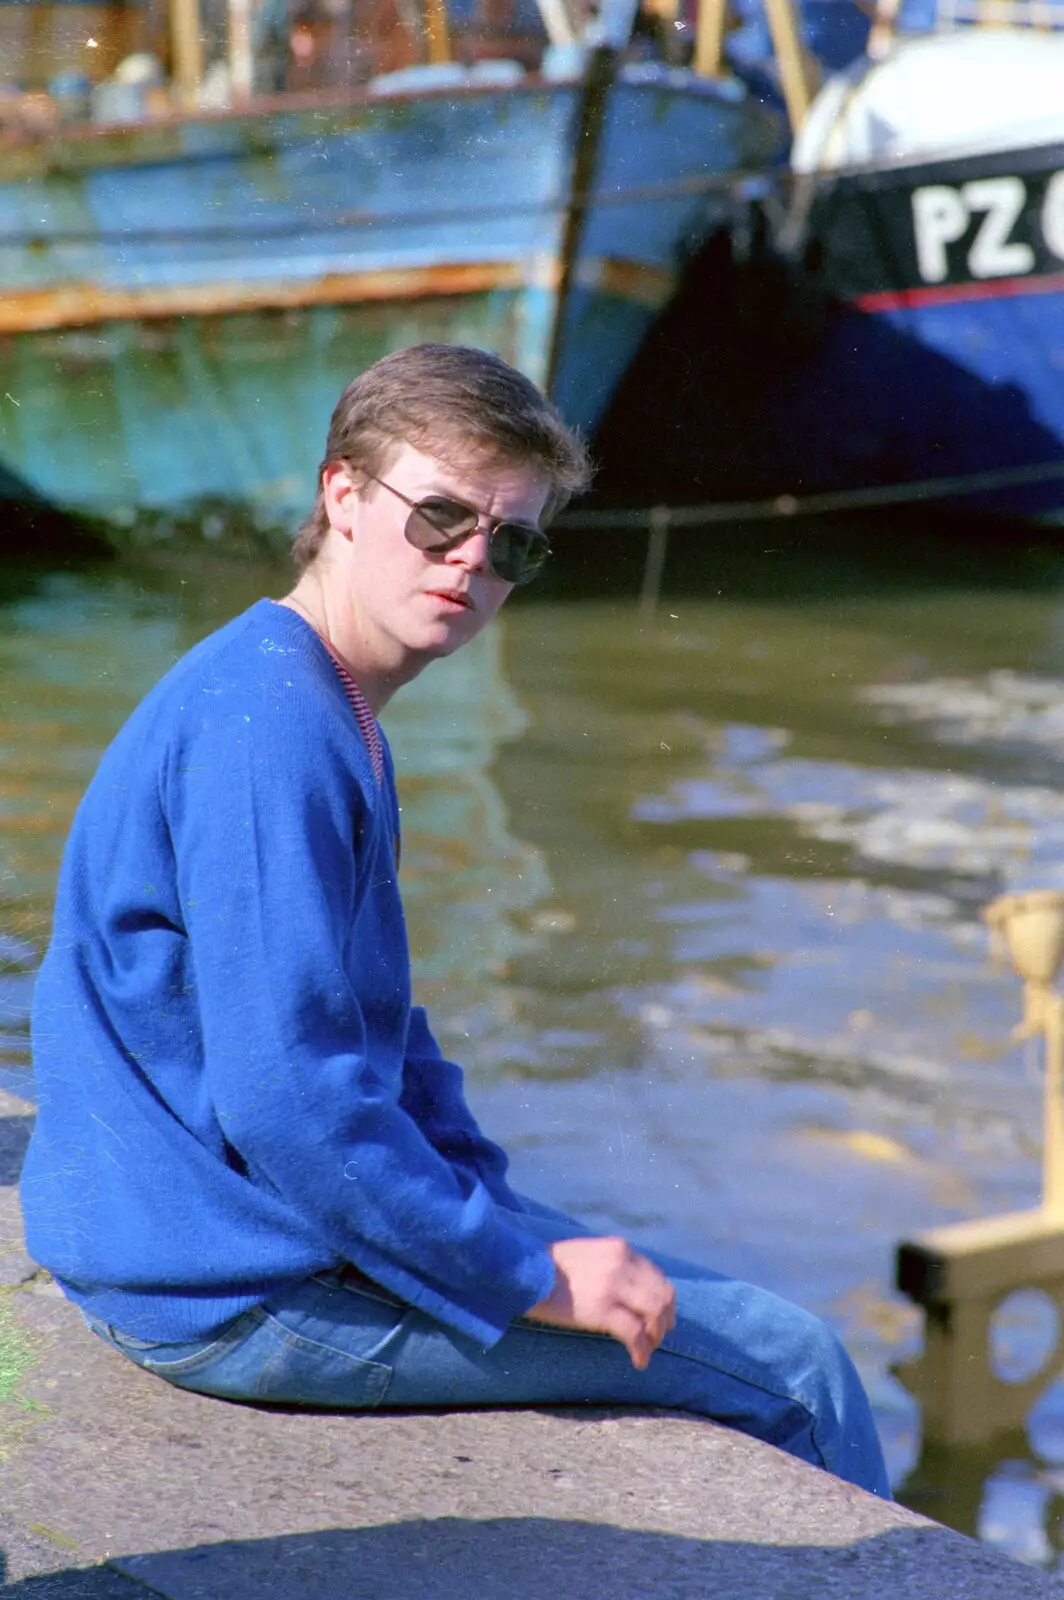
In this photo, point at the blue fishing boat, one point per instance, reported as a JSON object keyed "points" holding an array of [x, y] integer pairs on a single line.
{"points": [[185, 288], [890, 327], [930, 204]]}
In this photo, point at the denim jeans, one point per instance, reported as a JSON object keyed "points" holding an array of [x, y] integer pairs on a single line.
{"points": [[737, 1354]]}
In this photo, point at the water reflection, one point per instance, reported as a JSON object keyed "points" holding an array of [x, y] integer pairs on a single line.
{"points": [[445, 733], [696, 903], [817, 1055]]}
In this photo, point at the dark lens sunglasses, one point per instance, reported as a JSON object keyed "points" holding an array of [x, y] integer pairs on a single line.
{"points": [[437, 524]]}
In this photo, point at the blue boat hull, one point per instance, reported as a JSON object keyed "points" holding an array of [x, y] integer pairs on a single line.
{"points": [[867, 356], [182, 303], [949, 278]]}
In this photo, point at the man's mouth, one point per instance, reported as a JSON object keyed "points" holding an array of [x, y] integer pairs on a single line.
{"points": [[456, 597]]}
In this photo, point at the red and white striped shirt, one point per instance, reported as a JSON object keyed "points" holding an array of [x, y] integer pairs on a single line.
{"points": [[367, 722]]}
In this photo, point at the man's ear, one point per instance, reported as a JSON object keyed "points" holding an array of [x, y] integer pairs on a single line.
{"points": [[339, 490]]}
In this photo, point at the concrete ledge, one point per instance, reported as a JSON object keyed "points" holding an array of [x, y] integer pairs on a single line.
{"points": [[118, 1487], [124, 1486]]}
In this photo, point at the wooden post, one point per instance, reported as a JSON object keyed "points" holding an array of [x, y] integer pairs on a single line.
{"points": [[436, 26], [657, 546], [187, 46], [1030, 929], [241, 58], [961, 1273], [1053, 1146], [709, 37], [796, 76]]}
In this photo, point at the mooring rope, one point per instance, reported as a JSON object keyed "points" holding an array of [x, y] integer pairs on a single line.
{"points": [[663, 517]]}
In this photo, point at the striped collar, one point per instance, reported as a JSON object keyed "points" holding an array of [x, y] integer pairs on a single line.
{"points": [[368, 726]]}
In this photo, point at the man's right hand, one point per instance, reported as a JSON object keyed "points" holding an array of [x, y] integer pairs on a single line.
{"points": [[604, 1286]]}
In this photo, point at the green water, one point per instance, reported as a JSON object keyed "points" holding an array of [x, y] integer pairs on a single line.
{"points": [[693, 896]]}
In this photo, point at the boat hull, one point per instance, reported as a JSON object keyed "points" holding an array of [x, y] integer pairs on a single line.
{"points": [[854, 353], [165, 414], [949, 282], [182, 303]]}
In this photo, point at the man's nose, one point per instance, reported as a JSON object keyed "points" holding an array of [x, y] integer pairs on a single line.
{"points": [[472, 552]]}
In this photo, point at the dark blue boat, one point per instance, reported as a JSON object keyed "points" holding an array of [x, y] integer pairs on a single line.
{"points": [[896, 328], [931, 206]]}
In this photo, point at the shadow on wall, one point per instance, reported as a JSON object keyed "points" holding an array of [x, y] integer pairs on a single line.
{"points": [[538, 1558]]}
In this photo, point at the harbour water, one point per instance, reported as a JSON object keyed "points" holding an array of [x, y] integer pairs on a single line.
{"points": [[693, 896]]}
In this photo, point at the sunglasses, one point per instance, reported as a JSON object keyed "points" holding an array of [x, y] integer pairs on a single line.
{"points": [[437, 524]]}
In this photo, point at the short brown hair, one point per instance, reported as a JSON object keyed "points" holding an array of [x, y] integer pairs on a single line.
{"points": [[454, 402]]}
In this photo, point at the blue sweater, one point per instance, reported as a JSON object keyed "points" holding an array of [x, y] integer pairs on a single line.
{"points": [[234, 1089]]}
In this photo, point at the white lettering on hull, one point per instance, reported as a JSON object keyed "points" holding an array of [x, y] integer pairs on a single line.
{"points": [[992, 255], [1053, 215], [942, 215]]}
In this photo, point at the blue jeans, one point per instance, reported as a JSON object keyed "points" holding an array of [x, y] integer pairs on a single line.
{"points": [[737, 1354]]}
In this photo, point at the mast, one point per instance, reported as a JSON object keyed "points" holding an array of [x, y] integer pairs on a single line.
{"points": [[709, 37], [241, 57], [797, 72], [436, 27], [797, 78], [187, 46]]}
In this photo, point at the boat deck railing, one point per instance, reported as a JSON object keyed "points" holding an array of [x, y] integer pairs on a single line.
{"points": [[1044, 16], [1040, 14]]}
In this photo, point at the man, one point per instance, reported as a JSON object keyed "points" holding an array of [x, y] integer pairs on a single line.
{"points": [[252, 1169]]}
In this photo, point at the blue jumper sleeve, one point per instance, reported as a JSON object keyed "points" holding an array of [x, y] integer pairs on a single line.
{"points": [[302, 983], [433, 1095]]}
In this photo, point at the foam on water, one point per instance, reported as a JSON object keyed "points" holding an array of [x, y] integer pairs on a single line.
{"points": [[998, 707], [942, 822]]}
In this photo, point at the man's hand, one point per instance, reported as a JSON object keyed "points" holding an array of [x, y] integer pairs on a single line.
{"points": [[604, 1286]]}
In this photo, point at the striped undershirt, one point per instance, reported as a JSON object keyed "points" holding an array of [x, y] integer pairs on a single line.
{"points": [[367, 722]]}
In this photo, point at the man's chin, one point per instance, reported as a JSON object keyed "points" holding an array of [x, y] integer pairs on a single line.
{"points": [[445, 640]]}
